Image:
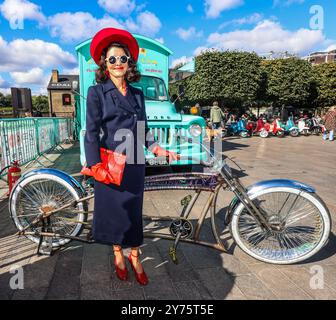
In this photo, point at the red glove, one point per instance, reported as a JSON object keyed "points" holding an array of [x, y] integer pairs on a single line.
{"points": [[98, 172], [158, 151]]}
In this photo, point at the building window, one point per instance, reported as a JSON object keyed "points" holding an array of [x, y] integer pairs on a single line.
{"points": [[66, 97]]}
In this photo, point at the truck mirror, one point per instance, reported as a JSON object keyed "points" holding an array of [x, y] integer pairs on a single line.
{"points": [[173, 98]]}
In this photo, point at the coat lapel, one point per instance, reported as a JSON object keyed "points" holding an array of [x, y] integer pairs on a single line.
{"points": [[126, 103]]}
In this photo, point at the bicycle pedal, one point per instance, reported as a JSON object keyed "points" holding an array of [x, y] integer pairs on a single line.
{"points": [[173, 255], [185, 201]]}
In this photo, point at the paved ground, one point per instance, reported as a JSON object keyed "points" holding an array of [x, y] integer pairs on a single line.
{"points": [[86, 271]]}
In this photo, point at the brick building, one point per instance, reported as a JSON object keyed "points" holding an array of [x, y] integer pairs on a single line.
{"points": [[60, 94]]}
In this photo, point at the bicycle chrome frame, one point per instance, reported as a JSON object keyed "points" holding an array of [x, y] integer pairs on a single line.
{"points": [[210, 182]]}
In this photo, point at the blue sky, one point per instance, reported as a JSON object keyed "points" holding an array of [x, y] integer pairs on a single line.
{"points": [[37, 36]]}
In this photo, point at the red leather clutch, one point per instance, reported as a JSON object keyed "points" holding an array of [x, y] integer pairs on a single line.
{"points": [[113, 162]]}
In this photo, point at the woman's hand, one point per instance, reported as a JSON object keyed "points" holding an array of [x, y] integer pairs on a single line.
{"points": [[100, 173], [160, 152]]}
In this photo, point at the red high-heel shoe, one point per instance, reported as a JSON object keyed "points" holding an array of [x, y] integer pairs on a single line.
{"points": [[121, 273], [140, 277]]}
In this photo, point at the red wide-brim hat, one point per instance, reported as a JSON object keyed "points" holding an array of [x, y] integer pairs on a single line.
{"points": [[107, 35]]}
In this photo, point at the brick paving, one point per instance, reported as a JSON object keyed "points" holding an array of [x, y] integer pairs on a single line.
{"points": [[85, 271]]}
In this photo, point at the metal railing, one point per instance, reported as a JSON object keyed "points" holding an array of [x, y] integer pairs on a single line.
{"points": [[26, 139]]}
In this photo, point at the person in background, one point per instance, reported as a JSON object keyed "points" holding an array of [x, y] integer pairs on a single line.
{"points": [[216, 115], [284, 114], [225, 116], [232, 118], [245, 117], [330, 123], [199, 108]]}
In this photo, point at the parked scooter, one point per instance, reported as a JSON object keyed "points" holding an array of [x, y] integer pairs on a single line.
{"points": [[303, 126], [314, 126], [276, 129], [258, 128], [241, 129], [290, 127], [236, 128]]}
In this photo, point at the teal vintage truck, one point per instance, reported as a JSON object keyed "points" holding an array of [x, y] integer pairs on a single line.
{"points": [[177, 132]]}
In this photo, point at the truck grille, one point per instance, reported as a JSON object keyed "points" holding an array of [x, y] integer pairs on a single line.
{"points": [[164, 135]]}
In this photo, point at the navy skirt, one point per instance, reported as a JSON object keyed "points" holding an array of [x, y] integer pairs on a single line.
{"points": [[117, 218]]}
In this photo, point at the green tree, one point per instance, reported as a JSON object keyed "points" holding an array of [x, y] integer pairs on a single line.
{"points": [[326, 84], [5, 100], [230, 77], [40, 103], [289, 82]]}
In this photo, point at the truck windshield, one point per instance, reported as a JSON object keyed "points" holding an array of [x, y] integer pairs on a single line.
{"points": [[152, 87]]}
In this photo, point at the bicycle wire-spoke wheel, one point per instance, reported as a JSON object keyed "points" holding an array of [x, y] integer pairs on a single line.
{"points": [[299, 221], [47, 192]]}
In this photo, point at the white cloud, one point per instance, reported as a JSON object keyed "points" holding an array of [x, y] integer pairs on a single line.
{"points": [[186, 34], [147, 23], [201, 49], [120, 7], [183, 60], [140, 7], [71, 71], [2, 81], [5, 91], [213, 8], [161, 40], [12, 9], [190, 8], [265, 37], [32, 76], [79, 25], [22, 55], [39, 91], [252, 19]]}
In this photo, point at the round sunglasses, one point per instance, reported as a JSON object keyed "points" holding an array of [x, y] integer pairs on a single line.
{"points": [[122, 59]]}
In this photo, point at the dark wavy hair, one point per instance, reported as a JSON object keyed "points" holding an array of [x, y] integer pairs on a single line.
{"points": [[132, 73]]}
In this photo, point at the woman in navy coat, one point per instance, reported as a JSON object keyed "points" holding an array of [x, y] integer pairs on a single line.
{"points": [[114, 117]]}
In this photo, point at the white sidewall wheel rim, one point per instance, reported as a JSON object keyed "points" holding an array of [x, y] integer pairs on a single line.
{"points": [[46, 176], [263, 134], [294, 133], [314, 200]]}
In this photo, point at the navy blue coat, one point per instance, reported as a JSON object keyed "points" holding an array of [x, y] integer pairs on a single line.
{"points": [[117, 215]]}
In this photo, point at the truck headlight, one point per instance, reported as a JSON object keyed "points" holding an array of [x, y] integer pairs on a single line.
{"points": [[195, 130]]}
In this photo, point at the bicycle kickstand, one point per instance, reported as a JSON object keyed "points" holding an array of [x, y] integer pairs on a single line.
{"points": [[173, 249], [45, 249]]}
